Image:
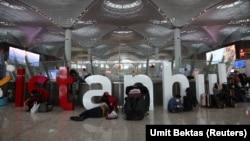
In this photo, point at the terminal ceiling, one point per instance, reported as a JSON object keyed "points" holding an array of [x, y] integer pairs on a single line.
{"points": [[123, 29]]}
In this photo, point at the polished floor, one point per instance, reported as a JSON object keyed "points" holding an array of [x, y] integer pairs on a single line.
{"points": [[18, 125]]}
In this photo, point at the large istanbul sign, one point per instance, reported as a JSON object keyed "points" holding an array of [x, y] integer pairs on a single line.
{"points": [[168, 80]]}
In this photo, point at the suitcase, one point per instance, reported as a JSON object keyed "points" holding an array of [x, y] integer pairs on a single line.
{"points": [[216, 102], [211, 101], [243, 79], [231, 100], [204, 100]]}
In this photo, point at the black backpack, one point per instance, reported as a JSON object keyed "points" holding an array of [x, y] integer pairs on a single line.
{"points": [[187, 104], [243, 79], [135, 105], [75, 75]]}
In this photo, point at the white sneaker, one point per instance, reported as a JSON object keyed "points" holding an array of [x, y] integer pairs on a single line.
{"points": [[34, 108], [112, 115]]}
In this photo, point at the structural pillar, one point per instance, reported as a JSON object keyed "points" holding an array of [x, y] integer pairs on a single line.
{"points": [[68, 35], [157, 65], [177, 48], [90, 65]]}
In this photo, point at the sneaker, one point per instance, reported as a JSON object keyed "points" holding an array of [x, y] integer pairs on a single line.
{"points": [[76, 118], [112, 115]]}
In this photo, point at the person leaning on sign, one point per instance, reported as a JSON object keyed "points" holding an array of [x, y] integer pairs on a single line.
{"points": [[106, 108]]}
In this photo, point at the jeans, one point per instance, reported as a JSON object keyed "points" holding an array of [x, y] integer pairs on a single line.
{"points": [[92, 113]]}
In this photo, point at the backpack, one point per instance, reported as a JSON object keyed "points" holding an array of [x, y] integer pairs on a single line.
{"points": [[187, 104], [135, 105], [75, 75], [215, 101], [111, 101], [243, 79], [45, 106]]}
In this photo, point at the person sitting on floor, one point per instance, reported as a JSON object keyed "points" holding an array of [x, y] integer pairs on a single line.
{"points": [[35, 97], [175, 104], [217, 89]]}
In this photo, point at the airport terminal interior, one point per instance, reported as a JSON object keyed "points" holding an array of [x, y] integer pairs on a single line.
{"points": [[115, 39], [18, 125]]}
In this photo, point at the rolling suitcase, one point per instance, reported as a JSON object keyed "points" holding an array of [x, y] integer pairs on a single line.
{"points": [[243, 79], [204, 100], [213, 101], [208, 100]]}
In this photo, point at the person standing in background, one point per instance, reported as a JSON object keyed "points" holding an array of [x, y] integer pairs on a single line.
{"points": [[84, 74], [217, 88]]}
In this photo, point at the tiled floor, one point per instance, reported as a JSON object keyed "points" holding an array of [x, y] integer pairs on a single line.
{"points": [[18, 125]]}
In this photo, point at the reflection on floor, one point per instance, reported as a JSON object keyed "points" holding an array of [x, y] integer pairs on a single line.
{"points": [[18, 125]]}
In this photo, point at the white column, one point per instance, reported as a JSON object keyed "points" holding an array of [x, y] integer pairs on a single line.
{"points": [[90, 65], [222, 73], [177, 48], [68, 47], [212, 78], [157, 65], [200, 86]]}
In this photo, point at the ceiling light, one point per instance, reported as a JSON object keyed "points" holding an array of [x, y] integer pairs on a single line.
{"points": [[123, 32], [239, 21], [157, 22], [188, 31], [6, 23], [89, 22]]}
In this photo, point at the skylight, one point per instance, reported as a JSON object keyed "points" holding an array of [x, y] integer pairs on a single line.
{"points": [[12, 6], [229, 5], [132, 5]]}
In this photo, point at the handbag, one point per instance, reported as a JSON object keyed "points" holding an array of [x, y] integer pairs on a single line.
{"points": [[45, 107]]}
